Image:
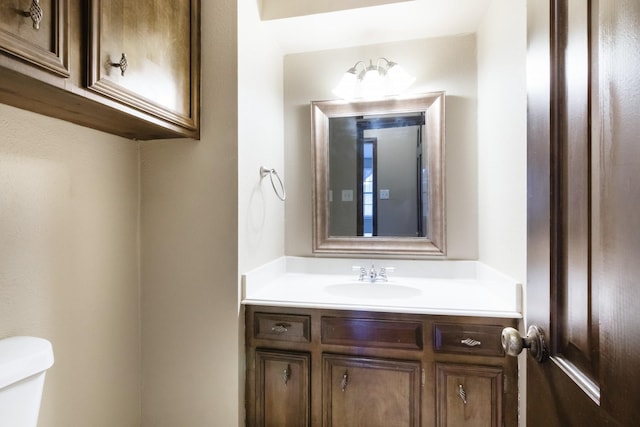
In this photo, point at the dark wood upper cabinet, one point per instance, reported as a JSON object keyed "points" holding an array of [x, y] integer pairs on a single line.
{"points": [[145, 54], [36, 32], [65, 68]]}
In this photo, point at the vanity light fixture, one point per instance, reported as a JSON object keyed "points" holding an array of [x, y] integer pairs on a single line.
{"points": [[373, 81]]}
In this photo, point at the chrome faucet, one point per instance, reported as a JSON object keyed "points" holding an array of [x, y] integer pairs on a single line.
{"points": [[372, 275]]}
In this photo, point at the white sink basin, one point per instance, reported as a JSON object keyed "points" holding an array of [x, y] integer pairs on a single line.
{"points": [[465, 288], [365, 290]]}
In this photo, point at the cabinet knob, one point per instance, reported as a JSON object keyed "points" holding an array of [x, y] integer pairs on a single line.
{"points": [[462, 394], [122, 64], [286, 374], [35, 13], [513, 343], [345, 381]]}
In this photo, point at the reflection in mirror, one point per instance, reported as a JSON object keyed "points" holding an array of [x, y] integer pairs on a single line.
{"points": [[379, 176], [385, 154]]}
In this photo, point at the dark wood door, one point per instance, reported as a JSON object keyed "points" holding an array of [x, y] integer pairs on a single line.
{"points": [[365, 392], [145, 54], [36, 32], [469, 395], [583, 211], [283, 387]]}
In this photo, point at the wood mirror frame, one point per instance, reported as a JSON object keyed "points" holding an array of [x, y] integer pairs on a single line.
{"points": [[432, 104]]}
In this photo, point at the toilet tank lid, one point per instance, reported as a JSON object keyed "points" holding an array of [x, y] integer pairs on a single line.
{"points": [[21, 357]]}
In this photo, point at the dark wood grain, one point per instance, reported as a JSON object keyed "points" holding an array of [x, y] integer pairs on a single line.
{"points": [[583, 227], [46, 47], [382, 363], [161, 43], [32, 85], [371, 333], [468, 339], [283, 384], [370, 392], [468, 395], [282, 327]]}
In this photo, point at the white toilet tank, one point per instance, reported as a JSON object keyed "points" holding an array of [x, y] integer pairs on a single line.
{"points": [[23, 364]]}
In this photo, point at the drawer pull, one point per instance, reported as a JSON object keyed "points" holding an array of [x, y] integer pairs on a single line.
{"points": [[470, 342], [280, 328], [286, 374], [122, 64], [345, 381], [35, 13], [462, 394]]}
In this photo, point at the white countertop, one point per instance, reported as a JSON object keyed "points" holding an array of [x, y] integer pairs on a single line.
{"points": [[464, 288]]}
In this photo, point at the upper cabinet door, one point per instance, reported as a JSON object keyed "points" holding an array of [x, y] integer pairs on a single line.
{"points": [[36, 31], [144, 54]]}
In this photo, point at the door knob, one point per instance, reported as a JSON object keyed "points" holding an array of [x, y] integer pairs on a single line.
{"points": [[513, 343]]}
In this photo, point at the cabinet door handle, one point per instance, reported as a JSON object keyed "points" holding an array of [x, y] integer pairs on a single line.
{"points": [[35, 13], [462, 394], [470, 342], [345, 381], [286, 374], [122, 64], [280, 328]]}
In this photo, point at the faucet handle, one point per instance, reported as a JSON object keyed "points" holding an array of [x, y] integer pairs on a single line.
{"points": [[383, 272], [361, 270]]}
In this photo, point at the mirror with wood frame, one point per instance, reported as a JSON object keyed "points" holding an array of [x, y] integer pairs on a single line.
{"points": [[378, 169]]}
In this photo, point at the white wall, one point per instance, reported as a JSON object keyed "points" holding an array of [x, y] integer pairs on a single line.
{"points": [[447, 64], [191, 355], [502, 137], [502, 143], [260, 144], [260, 141], [69, 263]]}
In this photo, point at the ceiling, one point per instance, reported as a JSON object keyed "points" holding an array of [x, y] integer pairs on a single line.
{"points": [[406, 20]]}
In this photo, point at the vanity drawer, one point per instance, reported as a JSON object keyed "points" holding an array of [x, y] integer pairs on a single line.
{"points": [[282, 327], [481, 340], [356, 332]]}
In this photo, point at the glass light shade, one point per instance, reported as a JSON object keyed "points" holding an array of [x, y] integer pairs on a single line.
{"points": [[372, 83], [346, 88], [398, 79]]}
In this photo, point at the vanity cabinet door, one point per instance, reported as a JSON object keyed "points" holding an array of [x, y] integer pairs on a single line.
{"points": [[370, 392], [282, 389], [469, 395], [36, 32], [144, 54]]}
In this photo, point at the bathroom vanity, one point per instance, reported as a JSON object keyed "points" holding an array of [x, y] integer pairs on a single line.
{"points": [[326, 349]]}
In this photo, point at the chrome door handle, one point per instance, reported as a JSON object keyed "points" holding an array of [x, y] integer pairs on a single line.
{"points": [[513, 343]]}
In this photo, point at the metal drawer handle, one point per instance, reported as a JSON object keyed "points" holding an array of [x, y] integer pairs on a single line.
{"points": [[122, 64], [345, 381], [470, 342], [286, 374], [280, 328], [35, 13], [462, 394]]}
